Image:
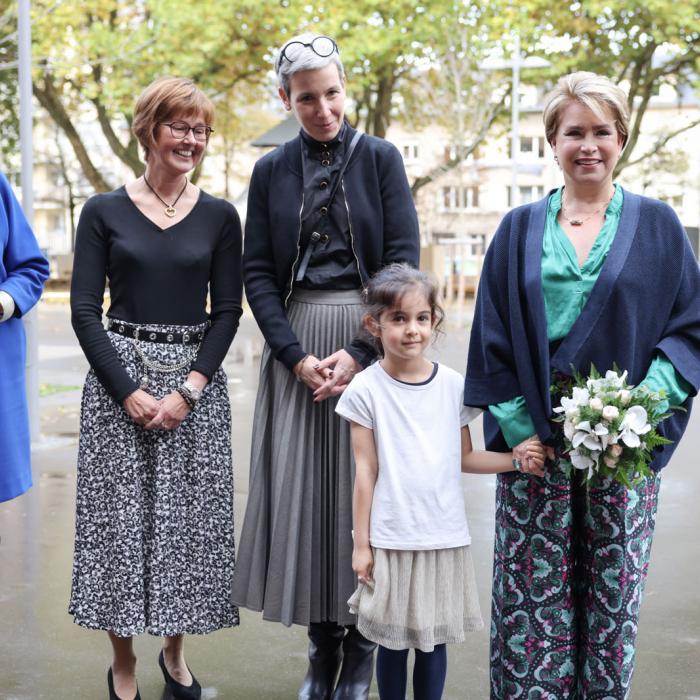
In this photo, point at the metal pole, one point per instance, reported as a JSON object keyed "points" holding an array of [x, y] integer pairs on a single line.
{"points": [[515, 119], [24, 41]]}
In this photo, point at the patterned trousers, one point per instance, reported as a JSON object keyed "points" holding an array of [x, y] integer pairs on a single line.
{"points": [[570, 563]]}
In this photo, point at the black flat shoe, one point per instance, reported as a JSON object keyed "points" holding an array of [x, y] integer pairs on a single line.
{"points": [[177, 690], [110, 685]]}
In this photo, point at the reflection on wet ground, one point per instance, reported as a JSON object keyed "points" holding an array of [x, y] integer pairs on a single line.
{"points": [[43, 655]]}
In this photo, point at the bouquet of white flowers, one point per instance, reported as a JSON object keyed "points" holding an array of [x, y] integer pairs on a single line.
{"points": [[610, 426]]}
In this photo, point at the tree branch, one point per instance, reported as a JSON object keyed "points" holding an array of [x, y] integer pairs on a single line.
{"points": [[462, 154], [660, 143]]}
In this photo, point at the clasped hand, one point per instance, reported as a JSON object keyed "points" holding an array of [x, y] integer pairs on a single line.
{"points": [[327, 377], [531, 454], [156, 414]]}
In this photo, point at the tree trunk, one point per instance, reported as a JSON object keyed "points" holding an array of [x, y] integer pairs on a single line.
{"points": [[129, 154], [69, 187], [382, 105], [50, 100]]}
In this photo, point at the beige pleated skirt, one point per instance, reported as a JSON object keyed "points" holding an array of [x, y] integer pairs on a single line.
{"points": [[418, 598]]}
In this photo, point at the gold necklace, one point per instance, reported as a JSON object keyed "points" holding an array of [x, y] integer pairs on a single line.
{"points": [[169, 208], [581, 222]]}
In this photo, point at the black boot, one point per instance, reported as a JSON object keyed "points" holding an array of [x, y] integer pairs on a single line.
{"points": [[325, 655], [358, 665]]}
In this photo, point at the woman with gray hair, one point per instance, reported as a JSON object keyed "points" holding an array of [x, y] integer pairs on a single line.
{"points": [[590, 275], [325, 211]]}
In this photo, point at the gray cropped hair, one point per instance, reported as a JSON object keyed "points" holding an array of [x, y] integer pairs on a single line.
{"points": [[307, 59]]}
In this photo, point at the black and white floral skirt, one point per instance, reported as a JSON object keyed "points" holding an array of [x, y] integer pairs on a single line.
{"points": [[154, 547]]}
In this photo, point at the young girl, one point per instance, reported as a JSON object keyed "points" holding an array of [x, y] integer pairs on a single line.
{"points": [[410, 439]]}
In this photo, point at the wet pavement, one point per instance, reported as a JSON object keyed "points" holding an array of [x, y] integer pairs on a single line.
{"points": [[43, 655]]}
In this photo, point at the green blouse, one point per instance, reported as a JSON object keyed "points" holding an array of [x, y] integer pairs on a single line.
{"points": [[566, 287]]}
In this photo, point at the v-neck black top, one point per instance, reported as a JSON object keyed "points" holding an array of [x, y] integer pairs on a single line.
{"points": [[155, 276]]}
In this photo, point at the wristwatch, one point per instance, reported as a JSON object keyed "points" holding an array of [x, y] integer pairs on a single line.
{"points": [[190, 393]]}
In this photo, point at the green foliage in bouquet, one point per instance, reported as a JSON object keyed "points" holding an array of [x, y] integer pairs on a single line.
{"points": [[609, 425]]}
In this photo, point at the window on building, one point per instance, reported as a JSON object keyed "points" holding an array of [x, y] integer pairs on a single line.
{"points": [[527, 194], [458, 198], [475, 245], [527, 144], [56, 222], [57, 178], [532, 145], [463, 252], [410, 152], [450, 153]]}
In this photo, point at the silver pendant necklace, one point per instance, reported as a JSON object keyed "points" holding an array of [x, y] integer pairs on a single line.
{"points": [[169, 210]]}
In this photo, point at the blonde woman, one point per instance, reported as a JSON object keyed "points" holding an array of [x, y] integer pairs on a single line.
{"points": [[590, 274]]}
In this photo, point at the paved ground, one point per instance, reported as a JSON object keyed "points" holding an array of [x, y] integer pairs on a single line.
{"points": [[43, 655]]}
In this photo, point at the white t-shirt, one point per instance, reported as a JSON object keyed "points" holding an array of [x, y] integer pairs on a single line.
{"points": [[418, 502]]}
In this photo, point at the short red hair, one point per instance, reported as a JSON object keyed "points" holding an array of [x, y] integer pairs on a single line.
{"points": [[163, 99]]}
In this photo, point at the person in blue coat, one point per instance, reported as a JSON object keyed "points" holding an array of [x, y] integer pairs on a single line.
{"points": [[23, 271]]}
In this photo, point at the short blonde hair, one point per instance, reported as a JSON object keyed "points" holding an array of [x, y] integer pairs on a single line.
{"points": [[594, 91], [161, 101]]}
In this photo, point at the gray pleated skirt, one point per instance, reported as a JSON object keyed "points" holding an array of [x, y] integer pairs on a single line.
{"points": [[295, 551]]}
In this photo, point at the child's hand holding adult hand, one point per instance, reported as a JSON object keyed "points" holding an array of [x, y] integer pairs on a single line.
{"points": [[362, 563], [531, 454]]}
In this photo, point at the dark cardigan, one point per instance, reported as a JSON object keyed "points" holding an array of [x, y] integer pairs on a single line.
{"points": [[646, 300], [383, 229]]}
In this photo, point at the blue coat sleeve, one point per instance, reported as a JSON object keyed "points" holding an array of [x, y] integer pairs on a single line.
{"points": [[680, 342], [491, 375], [23, 269]]}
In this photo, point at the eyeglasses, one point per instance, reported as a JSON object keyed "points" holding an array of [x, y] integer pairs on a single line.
{"points": [[179, 130], [322, 46]]}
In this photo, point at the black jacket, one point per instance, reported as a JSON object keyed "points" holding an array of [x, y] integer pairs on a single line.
{"points": [[383, 229]]}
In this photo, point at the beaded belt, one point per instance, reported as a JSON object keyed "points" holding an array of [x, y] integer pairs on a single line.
{"points": [[138, 333]]}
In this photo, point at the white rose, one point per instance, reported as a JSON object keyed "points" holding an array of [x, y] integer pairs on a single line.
{"points": [[625, 396], [610, 461], [610, 413], [615, 450], [595, 404]]}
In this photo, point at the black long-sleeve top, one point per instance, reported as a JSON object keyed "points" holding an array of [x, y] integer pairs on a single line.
{"points": [[156, 276], [332, 264]]}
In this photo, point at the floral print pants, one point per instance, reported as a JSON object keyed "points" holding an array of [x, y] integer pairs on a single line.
{"points": [[570, 563]]}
